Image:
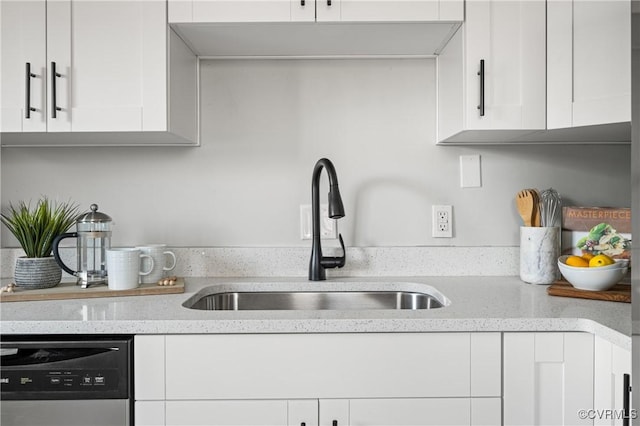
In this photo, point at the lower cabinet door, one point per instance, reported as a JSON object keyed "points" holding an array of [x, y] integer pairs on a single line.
{"points": [[149, 413], [302, 412], [411, 412], [227, 413], [548, 379], [612, 363]]}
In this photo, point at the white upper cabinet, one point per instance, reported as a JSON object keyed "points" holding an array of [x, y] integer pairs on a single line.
{"points": [[240, 11], [395, 11], [589, 62], [23, 66], [110, 57], [491, 75], [312, 10], [97, 67]]}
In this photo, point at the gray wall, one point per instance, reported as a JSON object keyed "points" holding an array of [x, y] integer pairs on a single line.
{"points": [[264, 124]]}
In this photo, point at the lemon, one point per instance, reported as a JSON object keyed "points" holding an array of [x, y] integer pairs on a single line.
{"points": [[577, 261], [601, 260]]}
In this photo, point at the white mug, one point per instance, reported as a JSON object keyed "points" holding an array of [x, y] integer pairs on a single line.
{"points": [[123, 268], [161, 263]]}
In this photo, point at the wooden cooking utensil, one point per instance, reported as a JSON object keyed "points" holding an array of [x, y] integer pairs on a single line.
{"points": [[525, 203], [535, 221]]}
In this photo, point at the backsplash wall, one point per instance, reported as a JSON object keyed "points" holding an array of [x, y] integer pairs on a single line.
{"points": [[264, 123]]}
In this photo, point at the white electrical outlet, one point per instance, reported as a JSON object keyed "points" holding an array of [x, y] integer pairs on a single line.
{"points": [[328, 226], [442, 221]]}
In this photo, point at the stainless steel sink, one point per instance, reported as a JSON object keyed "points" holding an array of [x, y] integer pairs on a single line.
{"points": [[315, 300]]}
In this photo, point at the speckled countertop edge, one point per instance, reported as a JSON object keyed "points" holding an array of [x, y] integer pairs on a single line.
{"points": [[478, 304]]}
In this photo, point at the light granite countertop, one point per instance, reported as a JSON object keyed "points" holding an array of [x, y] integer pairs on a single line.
{"points": [[477, 304]]}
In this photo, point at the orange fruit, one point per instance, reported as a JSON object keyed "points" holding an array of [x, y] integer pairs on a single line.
{"points": [[588, 256], [601, 260], [577, 261]]}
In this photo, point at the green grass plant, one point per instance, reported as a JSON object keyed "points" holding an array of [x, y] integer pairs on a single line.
{"points": [[36, 228]]}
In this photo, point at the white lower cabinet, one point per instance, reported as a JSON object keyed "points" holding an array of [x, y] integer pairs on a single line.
{"points": [[320, 379], [227, 413], [548, 378], [412, 412], [563, 379], [330, 412], [612, 363], [380, 379]]}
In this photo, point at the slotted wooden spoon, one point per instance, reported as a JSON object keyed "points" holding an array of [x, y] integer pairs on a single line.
{"points": [[526, 204]]}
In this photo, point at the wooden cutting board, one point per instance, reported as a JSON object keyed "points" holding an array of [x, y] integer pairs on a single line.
{"points": [[617, 293], [72, 291]]}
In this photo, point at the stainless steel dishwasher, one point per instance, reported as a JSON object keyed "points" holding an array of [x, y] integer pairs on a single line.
{"points": [[66, 381]]}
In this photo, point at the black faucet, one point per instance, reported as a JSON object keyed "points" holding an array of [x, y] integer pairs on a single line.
{"points": [[318, 262]]}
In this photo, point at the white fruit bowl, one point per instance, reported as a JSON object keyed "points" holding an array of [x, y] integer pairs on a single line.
{"points": [[620, 263], [594, 279]]}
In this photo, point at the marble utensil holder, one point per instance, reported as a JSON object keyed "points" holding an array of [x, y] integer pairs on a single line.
{"points": [[539, 252]]}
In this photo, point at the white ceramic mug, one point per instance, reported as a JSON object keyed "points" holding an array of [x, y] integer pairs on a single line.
{"points": [[123, 268], [163, 260], [539, 252]]}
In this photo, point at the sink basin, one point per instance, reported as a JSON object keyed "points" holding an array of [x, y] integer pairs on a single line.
{"points": [[315, 300]]}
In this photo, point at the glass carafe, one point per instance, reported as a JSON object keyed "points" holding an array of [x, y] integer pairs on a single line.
{"points": [[93, 231]]}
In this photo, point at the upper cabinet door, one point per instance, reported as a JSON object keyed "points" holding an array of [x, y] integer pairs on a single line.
{"points": [[491, 75], [23, 66], [507, 37], [110, 65], [589, 62], [242, 11], [183, 11], [382, 10]]}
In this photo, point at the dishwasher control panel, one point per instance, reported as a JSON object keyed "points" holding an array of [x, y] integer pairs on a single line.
{"points": [[86, 380], [65, 368]]}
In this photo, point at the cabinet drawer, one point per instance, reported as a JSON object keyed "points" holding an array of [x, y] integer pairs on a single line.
{"points": [[226, 413], [332, 365]]}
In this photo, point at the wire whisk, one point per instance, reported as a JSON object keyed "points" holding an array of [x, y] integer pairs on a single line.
{"points": [[550, 208]]}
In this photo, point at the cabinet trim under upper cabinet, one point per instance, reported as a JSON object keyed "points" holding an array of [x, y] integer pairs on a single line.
{"points": [[276, 39], [272, 28]]}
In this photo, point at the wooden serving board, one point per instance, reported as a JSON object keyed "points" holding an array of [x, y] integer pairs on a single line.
{"points": [[617, 293], [72, 291]]}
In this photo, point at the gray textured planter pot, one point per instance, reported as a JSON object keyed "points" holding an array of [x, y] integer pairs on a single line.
{"points": [[37, 272]]}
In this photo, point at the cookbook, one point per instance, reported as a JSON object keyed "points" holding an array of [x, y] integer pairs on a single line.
{"points": [[597, 230]]}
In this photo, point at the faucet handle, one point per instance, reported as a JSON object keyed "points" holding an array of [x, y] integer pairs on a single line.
{"points": [[342, 258], [335, 262]]}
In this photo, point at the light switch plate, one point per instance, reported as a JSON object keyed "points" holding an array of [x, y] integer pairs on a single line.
{"points": [[470, 174], [328, 226]]}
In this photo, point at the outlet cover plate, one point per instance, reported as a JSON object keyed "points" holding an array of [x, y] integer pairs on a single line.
{"points": [[442, 221]]}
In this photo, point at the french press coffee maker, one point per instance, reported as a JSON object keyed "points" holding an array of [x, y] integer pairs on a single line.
{"points": [[93, 231]]}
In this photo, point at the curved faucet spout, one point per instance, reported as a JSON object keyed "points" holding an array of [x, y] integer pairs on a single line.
{"points": [[318, 262]]}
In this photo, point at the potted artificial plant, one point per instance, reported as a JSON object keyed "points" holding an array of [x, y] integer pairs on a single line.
{"points": [[35, 230]]}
